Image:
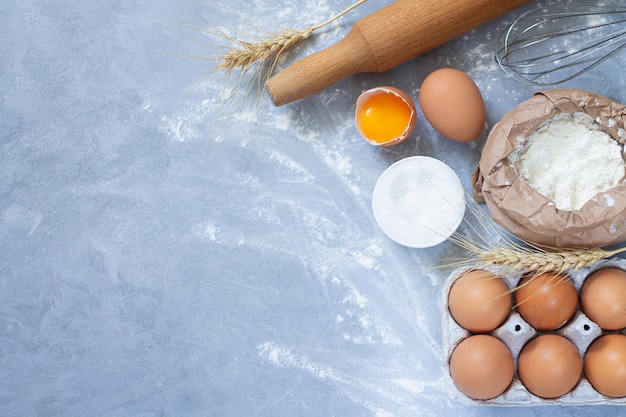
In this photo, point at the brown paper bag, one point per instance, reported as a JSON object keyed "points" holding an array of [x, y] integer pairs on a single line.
{"points": [[522, 210]]}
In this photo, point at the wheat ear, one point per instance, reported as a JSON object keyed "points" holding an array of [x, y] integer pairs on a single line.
{"points": [[246, 53], [540, 261]]}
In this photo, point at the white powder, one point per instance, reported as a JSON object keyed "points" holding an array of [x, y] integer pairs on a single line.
{"points": [[418, 202], [569, 160]]}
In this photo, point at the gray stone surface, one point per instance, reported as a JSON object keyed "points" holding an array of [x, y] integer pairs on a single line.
{"points": [[171, 245]]}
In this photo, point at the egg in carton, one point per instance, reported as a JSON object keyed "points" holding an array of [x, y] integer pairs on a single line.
{"points": [[515, 332]]}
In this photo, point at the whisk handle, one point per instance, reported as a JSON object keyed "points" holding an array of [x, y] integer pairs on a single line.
{"points": [[385, 39]]}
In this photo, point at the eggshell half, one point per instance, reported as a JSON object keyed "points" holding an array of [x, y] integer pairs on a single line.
{"points": [[388, 115]]}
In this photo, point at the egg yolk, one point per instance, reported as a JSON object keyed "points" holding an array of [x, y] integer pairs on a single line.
{"points": [[384, 117]]}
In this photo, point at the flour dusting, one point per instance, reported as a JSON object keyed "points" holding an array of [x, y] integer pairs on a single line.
{"points": [[297, 193], [208, 230]]}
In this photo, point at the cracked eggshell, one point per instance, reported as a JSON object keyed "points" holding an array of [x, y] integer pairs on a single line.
{"points": [[393, 112]]}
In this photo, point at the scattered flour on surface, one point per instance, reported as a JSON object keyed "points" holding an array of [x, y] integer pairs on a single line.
{"points": [[363, 311], [206, 230], [174, 127], [148, 105], [341, 162], [411, 385], [356, 298], [284, 357], [365, 261], [290, 163]]}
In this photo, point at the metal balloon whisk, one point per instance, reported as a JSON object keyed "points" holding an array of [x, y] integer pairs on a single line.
{"points": [[552, 45]]}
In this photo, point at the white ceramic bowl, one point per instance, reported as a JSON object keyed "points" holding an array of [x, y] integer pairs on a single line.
{"points": [[418, 202]]}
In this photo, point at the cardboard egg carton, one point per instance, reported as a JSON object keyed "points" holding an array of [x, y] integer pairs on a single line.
{"points": [[515, 332]]}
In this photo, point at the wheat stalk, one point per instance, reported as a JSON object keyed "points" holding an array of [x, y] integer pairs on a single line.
{"points": [[269, 49], [248, 53], [543, 261], [516, 254]]}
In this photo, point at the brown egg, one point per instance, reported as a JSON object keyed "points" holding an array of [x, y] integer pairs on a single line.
{"points": [[546, 301], [605, 365], [453, 105], [479, 301], [482, 367], [549, 366], [603, 298]]}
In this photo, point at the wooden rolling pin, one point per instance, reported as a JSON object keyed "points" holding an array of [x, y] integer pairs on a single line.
{"points": [[383, 40]]}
